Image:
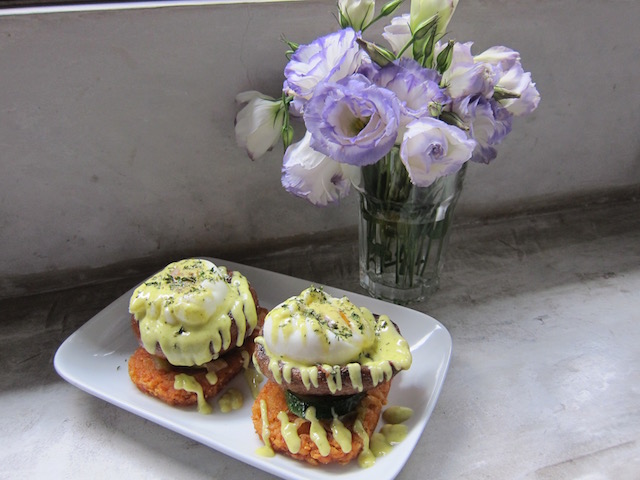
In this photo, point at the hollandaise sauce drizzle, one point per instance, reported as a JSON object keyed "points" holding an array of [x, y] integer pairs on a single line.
{"points": [[265, 450], [289, 432], [317, 432], [187, 307], [253, 378], [366, 458], [334, 378], [315, 332], [397, 414], [379, 445], [246, 359], [341, 434], [232, 399], [394, 434], [309, 376], [212, 377], [186, 382], [355, 375]]}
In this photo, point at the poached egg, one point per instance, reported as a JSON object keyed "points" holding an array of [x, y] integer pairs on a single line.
{"points": [[316, 328]]}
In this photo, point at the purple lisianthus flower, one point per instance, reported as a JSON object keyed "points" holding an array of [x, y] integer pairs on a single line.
{"points": [[417, 89], [500, 56], [518, 81], [352, 121], [511, 77], [488, 122], [310, 174], [328, 58], [431, 149], [465, 77]]}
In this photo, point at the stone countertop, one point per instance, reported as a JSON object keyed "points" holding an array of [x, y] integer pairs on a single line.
{"points": [[544, 382]]}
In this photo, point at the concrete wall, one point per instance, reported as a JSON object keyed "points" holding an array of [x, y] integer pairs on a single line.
{"points": [[116, 127]]}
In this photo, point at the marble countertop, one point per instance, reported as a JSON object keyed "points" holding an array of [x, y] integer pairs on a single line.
{"points": [[544, 381]]}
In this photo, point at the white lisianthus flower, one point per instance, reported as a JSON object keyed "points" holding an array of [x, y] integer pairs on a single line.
{"points": [[518, 81], [310, 174], [431, 149], [398, 34], [465, 77], [259, 123], [503, 57], [356, 13], [423, 10], [512, 78]]}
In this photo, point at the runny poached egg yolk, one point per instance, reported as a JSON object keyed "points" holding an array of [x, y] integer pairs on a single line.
{"points": [[316, 328]]}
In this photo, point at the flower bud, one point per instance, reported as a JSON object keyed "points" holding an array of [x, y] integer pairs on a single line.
{"points": [[259, 123], [287, 135], [422, 10], [356, 13], [389, 8], [444, 58], [378, 54]]}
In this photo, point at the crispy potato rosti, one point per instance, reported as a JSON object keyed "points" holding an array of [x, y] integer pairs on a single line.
{"points": [[154, 376], [157, 378], [273, 395]]}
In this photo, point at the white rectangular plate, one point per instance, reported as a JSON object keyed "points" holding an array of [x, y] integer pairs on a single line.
{"points": [[94, 359]]}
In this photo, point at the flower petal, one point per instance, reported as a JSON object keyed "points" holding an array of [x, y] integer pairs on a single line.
{"points": [[310, 174]]}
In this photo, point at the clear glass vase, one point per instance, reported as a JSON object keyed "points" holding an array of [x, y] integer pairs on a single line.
{"points": [[404, 230]]}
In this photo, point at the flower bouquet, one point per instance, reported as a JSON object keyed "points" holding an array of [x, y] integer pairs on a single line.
{"points": [[398, 122]]}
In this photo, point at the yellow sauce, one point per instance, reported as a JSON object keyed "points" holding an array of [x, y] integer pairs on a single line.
{"points": [[232, 399], [334, 378], [309, 376], [355, 375], [397, 414], [317, 432], [313, 312], [287, 370], [186, 382], [253, 379], [289, 432], [341, 434], [186, 307], [394, 434], [212, 377], [246, 359], [366, 458], [379, 445], [265, 450]]}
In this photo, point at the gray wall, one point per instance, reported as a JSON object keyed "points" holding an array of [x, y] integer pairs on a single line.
{"points": [[116, 127]]}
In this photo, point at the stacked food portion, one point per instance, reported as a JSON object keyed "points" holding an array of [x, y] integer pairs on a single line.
{"points": [[196, 324], [329, 366]]}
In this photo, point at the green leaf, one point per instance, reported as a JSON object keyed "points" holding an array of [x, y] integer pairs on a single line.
{"points": [[292, 46]]}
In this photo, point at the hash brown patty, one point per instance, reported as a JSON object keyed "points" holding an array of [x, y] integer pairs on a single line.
{"points": [[275, 400], [149, 375]]}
